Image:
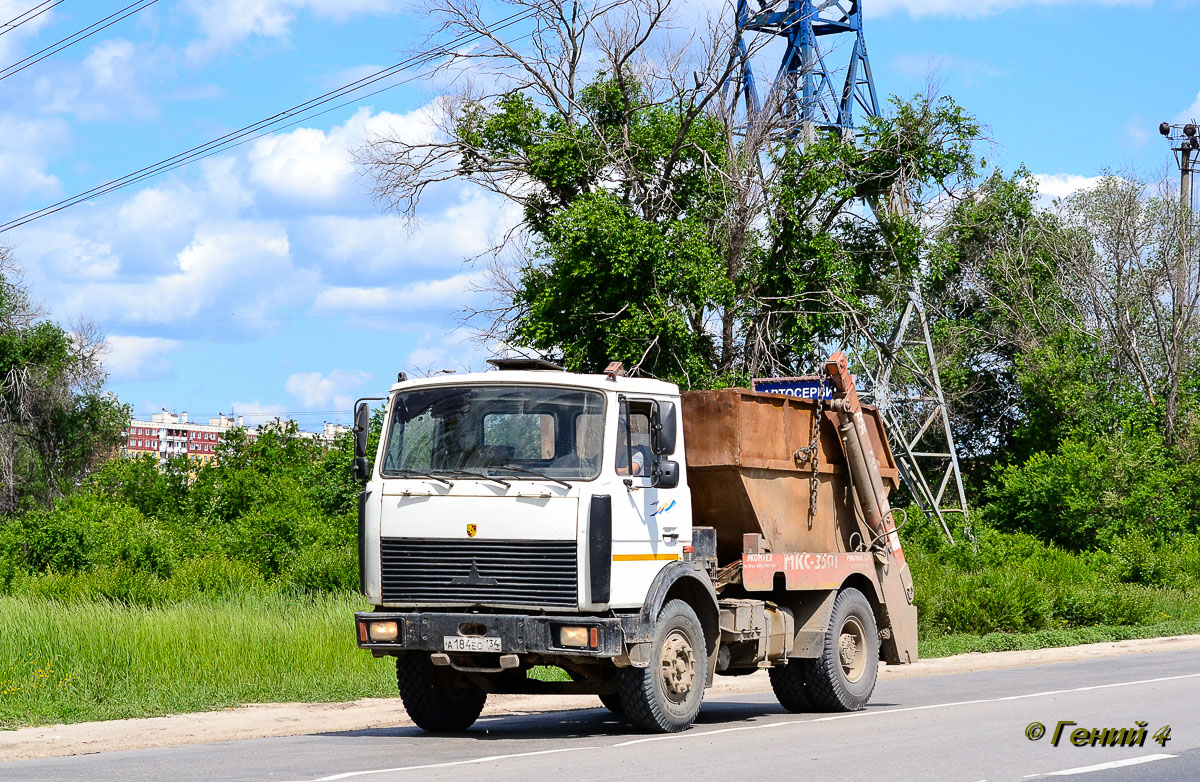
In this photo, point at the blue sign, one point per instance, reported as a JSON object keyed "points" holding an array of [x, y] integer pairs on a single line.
{"points": [[801, 387]]}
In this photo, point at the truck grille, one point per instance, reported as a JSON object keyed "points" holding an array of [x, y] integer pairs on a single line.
{"points": [[499, 572]]}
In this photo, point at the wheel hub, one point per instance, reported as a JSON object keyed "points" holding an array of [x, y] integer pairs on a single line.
{"points": [[677, 665], [848, 648], [852, 645]]}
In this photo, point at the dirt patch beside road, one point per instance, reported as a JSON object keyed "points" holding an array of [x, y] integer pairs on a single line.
{"points": [[293, 719]]}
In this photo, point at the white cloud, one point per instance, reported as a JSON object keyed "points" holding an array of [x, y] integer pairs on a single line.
{"points": [[242, 267], [314, 389], [139, 358], [1063, 185], [111, 82], [1191, 113], [457, 349], [10, 42], [255, 413], [305, 164], [226, 22], [448, 293], [975, 8], [969, 72], [470, 225], [24, 147], [315, 167]]}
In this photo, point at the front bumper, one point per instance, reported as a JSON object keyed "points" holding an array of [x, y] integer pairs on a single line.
{"points": [[518, 634]]}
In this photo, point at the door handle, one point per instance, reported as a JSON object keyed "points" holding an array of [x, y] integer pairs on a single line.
{"points": [[670, 537]]}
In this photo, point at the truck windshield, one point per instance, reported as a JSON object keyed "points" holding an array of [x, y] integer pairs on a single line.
{"points": [[557, 432]]}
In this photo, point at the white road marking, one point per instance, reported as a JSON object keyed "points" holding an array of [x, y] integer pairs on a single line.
{"points": [[781, 724], [1105, 766], [449, 763]]}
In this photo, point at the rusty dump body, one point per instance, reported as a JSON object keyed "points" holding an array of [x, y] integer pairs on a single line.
{"points": [[750, 478], [745, 477]]}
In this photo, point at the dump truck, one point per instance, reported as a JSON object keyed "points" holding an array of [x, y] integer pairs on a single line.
{"points": [[639, 539]]}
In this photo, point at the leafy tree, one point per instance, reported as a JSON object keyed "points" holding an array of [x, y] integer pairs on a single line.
{"points": [[56, 422]]}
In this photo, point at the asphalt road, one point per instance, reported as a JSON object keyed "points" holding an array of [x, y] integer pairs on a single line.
{"points": [[957, 728]]}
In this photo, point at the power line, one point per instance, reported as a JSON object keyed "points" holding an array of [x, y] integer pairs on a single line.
{"points": [[264, 126], [29, 15], [75, 38]]}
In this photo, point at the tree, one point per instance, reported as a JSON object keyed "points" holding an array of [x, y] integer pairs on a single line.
{"points": [[56, 422], [659, 230]]}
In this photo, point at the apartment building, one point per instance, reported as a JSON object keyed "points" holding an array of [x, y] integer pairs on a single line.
{"points": [[171, 434]]}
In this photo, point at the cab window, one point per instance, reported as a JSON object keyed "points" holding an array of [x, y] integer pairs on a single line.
{"points": [[633, 439]]}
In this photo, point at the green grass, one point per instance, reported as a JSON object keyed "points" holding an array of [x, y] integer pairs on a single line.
{"points": [[98, 660], [115, 643]]}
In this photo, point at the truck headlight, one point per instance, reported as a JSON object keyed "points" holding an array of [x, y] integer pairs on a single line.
{"points": [[572, 636], [383, 631], [579, 637]]}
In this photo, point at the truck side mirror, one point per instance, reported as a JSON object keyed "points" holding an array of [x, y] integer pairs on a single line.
{"points": [[362, 468], [662, 429], [666, 474], [362, 427]]}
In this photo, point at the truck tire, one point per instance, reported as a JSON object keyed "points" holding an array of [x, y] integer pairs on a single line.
{"points": [[665, 696], [438, 700], [843, 677], [788, 683], [612, 702]]}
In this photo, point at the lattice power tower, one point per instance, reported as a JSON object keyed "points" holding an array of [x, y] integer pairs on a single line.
{"points": [[817, 88], [805, 87]]}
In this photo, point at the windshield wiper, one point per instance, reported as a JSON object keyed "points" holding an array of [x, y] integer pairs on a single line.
{"points": [[404, 471], [534, 473], [480, 475]]}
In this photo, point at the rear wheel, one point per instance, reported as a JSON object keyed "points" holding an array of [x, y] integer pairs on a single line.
{"points": [[665, 696], [437, 699], [843, 677]]}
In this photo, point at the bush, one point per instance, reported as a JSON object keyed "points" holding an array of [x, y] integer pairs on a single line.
{"points": [[85, 531], [989, 602], [1107, 605], [1090, 493], [319, 569]]}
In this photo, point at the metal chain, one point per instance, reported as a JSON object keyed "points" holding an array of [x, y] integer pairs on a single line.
{"points": [[811, 452]]}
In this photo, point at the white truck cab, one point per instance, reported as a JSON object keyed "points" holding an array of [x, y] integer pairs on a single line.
{"points": [[491, 480]]}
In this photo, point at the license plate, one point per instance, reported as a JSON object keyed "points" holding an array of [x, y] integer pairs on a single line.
{"points": [[470, 643]]}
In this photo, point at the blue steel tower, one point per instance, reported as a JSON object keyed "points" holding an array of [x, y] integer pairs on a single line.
{"points": [[808, 92]]}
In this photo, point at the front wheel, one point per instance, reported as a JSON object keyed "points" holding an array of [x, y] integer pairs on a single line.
{"points": [[788, 683], [612, 702], [439, 700], [665, 696], [843, 677]]}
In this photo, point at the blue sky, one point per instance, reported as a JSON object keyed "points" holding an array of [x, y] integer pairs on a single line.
{"points": [[265, 281]]}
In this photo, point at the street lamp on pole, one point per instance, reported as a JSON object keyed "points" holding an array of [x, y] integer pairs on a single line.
{"points": [[1185, 144]]}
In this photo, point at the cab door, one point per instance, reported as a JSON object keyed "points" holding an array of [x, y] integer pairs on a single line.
{"points": [[651, 524]]}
